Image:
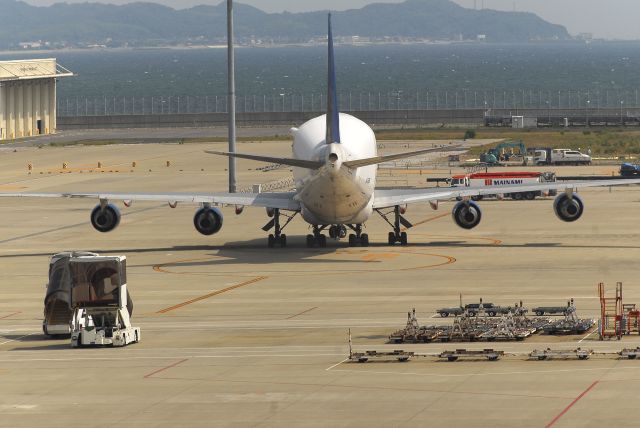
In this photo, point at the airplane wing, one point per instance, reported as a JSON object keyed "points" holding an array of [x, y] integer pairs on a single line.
{"points": [[384, 198], [280, 200]]}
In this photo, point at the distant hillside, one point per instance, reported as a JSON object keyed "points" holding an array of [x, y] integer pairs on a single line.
{"points": [[149, 24]]}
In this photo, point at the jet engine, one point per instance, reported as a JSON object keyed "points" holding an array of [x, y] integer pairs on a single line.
{"points": [[568, 208], [208, 220], [467, 215], [105, 219]]}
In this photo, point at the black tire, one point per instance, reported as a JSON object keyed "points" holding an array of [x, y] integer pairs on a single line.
{"points": [[452, 358], [392, 238], [310, 241], [322, 241], [444, 314], [352, 240], [539, 313], [530, 196], [492, 313], [364, 240], [271, 241], [283, 241], [403, 238], [517, 196]]}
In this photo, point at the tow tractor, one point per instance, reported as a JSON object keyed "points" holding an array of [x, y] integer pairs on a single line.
{"points": [[100, 304]]}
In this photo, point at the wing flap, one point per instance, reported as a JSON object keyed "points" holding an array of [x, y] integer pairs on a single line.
{"points": [[280, 200]]}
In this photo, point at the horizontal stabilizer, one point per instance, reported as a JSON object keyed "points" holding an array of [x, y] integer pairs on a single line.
{"points": [[380, 159], [300, 163]]}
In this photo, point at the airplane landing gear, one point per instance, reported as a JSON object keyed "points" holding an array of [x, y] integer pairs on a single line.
{"points": [[277, 237], [318, 239], [398, 220], [338, 231], [358, 238]]}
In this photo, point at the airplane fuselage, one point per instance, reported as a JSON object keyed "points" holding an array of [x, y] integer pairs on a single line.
{"points": [[335, 194]]}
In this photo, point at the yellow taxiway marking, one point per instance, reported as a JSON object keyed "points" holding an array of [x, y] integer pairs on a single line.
{"points": [[358, 254], [376, 257], [428, 220], [214, 293]]}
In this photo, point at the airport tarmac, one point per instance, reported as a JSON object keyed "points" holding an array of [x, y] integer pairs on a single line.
{"points": [[235, 334]]}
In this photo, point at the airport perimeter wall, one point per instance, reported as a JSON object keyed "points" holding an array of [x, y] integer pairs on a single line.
{"points": [[374, 118]]}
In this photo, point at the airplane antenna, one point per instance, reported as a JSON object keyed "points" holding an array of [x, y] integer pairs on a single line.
{"points": [[232, 97]]}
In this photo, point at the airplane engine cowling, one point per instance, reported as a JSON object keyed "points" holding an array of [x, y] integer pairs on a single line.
{"points": [[467, 215], [208, 220], [568, 209], [105, 219]]}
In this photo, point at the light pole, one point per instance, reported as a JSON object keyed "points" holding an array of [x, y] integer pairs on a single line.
{"points": [[621, 104], [588, 105], [232, 97], [548, 112]]}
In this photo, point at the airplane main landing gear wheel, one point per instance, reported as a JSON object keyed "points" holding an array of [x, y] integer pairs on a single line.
{"points": [[277, 238], [397, 235], [358, 238], [281, 240], [318, 239]]}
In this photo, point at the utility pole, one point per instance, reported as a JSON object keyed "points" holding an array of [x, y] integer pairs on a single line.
{"points": [[232, 97]]}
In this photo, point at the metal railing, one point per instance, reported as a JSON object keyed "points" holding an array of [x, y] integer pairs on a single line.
{"points": [[591, 100]]}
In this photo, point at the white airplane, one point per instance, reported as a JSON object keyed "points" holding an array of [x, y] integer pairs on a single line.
{"points": [[334, 163]]}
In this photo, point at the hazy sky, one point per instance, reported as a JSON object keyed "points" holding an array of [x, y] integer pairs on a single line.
{"points": [[604, 18]]}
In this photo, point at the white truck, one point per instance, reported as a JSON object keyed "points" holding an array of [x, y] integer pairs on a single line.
{"points": [[501, 179], [548, 156], [101, 305]]}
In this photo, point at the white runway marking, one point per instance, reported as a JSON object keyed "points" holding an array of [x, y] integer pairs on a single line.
{"points": [[17, 338], [580, 341], [336, 364]]}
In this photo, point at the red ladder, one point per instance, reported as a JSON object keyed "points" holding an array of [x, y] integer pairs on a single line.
{"points": [[610, 313]]}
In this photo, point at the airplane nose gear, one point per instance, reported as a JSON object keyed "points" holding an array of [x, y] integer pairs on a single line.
{"points": [[277, 237], [398, 220], [338, 231]]}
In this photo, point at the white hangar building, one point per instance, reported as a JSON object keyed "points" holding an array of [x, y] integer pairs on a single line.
{"points": [[28, 97]]}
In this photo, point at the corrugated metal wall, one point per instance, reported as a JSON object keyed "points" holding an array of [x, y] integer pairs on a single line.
{"points": [[27, 108]]}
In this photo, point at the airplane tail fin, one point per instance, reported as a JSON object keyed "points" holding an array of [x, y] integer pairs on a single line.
{"points": [[333, 113]]}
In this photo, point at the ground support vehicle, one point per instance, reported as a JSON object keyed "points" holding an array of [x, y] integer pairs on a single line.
{"points": [[363, 357], [549, 354], [630, 354], [550, 310], [101, 310], [57, 301], [489, 354], [501, 179], [473, 309]]}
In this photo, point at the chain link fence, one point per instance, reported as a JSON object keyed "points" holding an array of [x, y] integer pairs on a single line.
{"points": [[362, 101]]}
